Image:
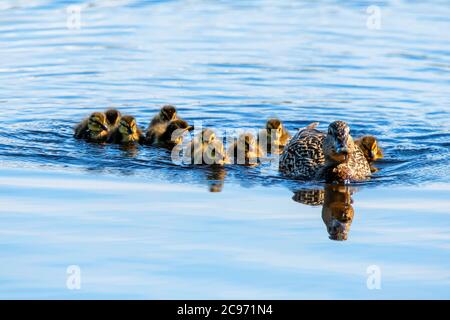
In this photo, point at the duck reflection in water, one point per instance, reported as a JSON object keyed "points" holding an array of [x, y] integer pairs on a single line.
{"points": [[215, 175], [337, 209]]}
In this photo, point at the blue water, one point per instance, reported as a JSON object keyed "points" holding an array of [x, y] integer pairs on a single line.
{"points": [[139, 226]]}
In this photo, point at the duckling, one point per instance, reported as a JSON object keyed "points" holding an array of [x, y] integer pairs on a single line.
{"points": [[167, 135], [245, 150], [206, 149], [274, 137], [127, 132], [312, 154], [370, 148], [165, 115], [93, 129], [113, 117]]}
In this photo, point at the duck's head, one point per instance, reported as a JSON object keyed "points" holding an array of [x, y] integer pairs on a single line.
{"points": [[112, 117], [168, 113], [338, 142], [274, 127], [175, 131], [127, 125], [97, 122], [370, 148]]}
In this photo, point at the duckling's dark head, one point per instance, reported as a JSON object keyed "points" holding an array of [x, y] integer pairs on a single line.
{"points": [[274, 126], [370, 148], [97, 122], [175, 130], [112, 116], [168, 113], [127, 125], [338, 142]]}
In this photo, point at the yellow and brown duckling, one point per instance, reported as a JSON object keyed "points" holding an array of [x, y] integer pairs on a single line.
{"points": [[93, 129], [165, 115], [245, 150], [334, 156], [113, 117], [371, 149], [167, 135], [274, 137], [127, 132], [205, 148]]}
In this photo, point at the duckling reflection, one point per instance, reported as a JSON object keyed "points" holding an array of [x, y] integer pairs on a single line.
{"points": [[337, 209], [215, 175]]}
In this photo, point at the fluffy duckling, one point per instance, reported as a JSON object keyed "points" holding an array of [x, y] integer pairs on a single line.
{"points": [[312, 154], [93, 129], [165, 115], [274, 137], [206, 149], [167, 135], [245, 150], [370, 148], [127, 132], [113, 117]]}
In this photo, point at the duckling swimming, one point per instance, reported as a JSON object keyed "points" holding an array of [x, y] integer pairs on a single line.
{"points": [[370, 148], [167, 135], [93, 129], [165, 115], [206, 149], [113, 117], [245, 150], [312, 154], [274, 137], [127, 132]]}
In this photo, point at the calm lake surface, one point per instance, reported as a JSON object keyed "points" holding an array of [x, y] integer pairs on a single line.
{"points": [[139, 226]]}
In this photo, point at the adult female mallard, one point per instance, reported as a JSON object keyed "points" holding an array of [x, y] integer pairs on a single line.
{"points": [[334, 156]]}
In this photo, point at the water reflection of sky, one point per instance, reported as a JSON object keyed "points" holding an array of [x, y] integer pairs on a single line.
{"points": [[139, 239]]}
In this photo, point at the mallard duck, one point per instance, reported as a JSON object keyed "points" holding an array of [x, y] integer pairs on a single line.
{"points": [[93, 129], [127, 132], [113, 117], [167, 135], [165, 115], [274, 137], [206, 149], [312, 154], [245, 150]]}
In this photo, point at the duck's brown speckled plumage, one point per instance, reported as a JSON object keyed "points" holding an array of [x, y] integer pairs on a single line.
{"points": [[311, 154]]}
